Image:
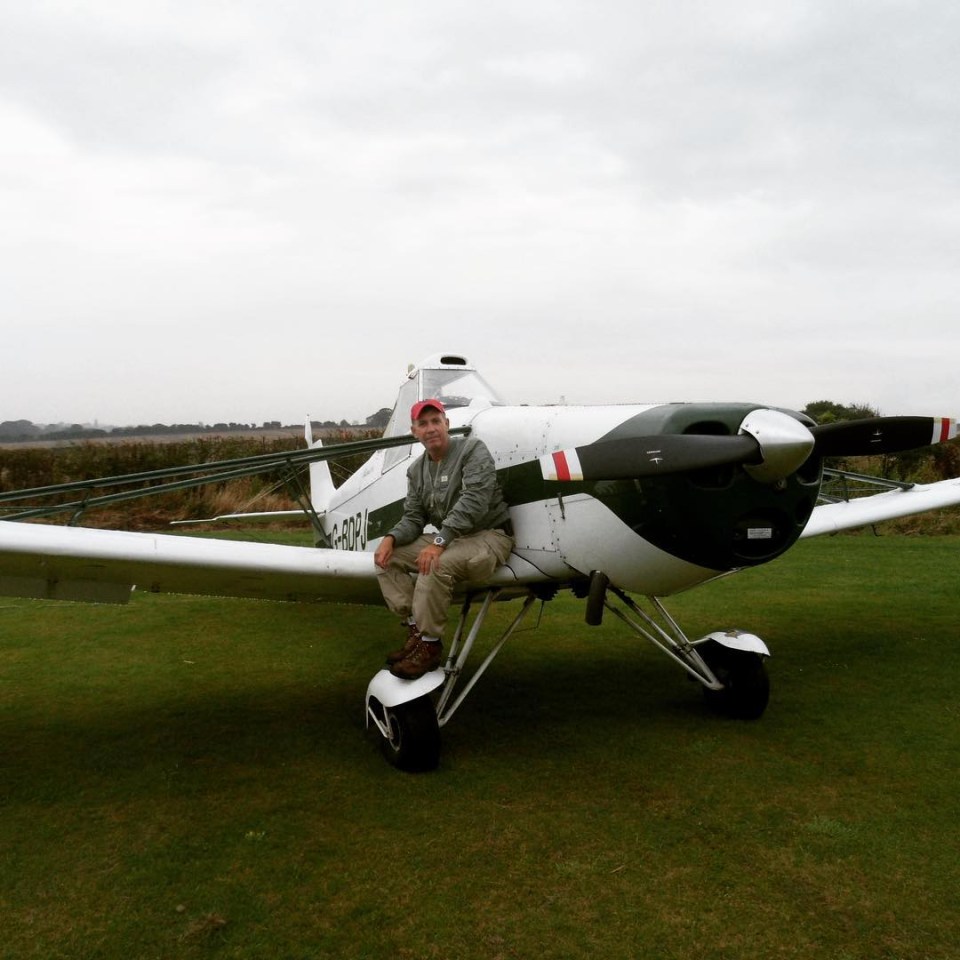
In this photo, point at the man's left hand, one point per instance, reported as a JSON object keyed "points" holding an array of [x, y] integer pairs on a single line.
{"points": [[429, 557]]}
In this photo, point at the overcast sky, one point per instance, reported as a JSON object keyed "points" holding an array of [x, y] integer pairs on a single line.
{"points": [[247, 211]]}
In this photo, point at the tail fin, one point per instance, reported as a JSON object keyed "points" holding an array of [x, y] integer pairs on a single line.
{"points": [[321, 483]]}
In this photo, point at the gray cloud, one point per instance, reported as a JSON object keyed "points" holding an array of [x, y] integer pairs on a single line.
{"points": [[262, 211]]}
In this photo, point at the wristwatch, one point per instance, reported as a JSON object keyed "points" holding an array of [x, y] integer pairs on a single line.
{"points": [[438, 541]]}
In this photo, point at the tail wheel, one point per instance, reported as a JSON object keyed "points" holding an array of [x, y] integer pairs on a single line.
{"points": [[412, 742], [746, 686]]}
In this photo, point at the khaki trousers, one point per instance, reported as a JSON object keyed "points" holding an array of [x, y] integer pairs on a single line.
{"points": [[427, 598]]}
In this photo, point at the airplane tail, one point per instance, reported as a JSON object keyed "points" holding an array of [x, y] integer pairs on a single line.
{"points": [[321, 482]]}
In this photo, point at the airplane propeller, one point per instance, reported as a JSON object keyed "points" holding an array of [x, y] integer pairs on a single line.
{"points": [[651, 456], [771, 445], [861, 438]]}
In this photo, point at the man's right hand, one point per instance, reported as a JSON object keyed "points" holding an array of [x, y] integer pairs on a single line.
{"points": [[384, 552]]}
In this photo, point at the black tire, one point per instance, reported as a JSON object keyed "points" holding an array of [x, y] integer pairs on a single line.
{"points": [[414, 741], [746, 686]]}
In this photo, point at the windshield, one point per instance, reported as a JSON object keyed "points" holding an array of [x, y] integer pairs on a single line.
{"points": [[400, 418], [456, 388]]}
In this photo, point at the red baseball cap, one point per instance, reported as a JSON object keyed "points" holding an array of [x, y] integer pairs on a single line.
{"points": [[418, 408]]}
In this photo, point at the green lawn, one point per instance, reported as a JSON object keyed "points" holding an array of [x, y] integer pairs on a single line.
{"points": [[191, 778]]}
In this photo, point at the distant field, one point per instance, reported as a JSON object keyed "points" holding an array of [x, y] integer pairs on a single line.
{"points": [[190, 778], [256, 434], [280, 434]]}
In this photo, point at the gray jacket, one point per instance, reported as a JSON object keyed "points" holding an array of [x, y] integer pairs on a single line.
{"points": [[460, 495]]}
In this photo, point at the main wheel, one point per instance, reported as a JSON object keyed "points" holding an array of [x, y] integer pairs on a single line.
{"points": [[413, 740], [746, 687]]}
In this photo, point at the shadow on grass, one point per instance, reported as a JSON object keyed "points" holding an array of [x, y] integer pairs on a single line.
{"points": [[542, 702]]}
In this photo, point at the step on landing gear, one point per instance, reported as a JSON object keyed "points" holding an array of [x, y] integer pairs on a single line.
{"points": [[407, 714]]}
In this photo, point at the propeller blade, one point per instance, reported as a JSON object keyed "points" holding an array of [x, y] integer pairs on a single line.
{"points": [[771, 446], [634, 457], [859, 438]]}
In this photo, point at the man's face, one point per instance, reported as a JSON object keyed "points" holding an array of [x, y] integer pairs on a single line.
{"points": [[432, 429]]}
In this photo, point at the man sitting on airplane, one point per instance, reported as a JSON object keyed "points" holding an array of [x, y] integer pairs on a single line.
{"points": [[453, 486]]}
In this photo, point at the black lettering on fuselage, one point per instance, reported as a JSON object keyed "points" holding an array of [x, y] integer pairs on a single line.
{"points": [[350, 533]]}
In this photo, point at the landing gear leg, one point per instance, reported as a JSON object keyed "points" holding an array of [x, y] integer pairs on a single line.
{"points": [[408, 714], [729, 665]]}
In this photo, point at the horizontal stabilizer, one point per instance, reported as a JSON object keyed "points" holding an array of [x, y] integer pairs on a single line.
{"points": [[257, 515]]}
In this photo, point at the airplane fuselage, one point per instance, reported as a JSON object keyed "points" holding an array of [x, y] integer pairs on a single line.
{"points": [[655, 535]]}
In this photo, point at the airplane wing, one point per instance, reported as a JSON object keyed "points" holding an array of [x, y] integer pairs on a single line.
{"points": [[74, 563], [863, 511]]}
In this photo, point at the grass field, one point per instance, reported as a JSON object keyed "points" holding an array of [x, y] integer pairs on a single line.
{"points": [[191, 778]]}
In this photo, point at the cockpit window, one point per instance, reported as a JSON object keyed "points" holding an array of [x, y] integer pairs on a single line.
{"points": [[456, 388], [399, 423], [453, 388]]}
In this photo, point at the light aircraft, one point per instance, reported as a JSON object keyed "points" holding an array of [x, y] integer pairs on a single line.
{"points": [[622, 504]]}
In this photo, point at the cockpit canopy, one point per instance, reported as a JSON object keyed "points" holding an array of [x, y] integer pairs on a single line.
{"points": [[450, 379]]}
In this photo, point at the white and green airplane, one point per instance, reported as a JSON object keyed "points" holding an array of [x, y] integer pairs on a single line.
{"points": [[622, 504]]}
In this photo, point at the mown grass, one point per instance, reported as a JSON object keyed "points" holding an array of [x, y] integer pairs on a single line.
{"points": [[191, 778]]}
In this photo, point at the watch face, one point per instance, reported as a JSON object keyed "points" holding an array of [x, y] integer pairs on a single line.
{"points": [[439, 542]]}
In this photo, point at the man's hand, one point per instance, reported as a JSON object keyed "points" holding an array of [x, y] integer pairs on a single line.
{"points": [[429, 557], [384, 552]]}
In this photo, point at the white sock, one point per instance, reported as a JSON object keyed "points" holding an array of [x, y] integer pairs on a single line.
{"points": [[430, 639]]}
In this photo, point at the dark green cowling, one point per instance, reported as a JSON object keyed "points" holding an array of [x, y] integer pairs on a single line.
{"points": [[718, 517]]}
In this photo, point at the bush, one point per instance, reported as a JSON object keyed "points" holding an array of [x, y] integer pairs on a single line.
{"points": [[30, 467]]}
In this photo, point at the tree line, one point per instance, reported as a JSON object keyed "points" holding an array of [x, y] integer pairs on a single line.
{"points": [[18, 431]]}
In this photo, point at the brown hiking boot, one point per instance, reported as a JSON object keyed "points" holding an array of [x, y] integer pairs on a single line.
{"points": [[413, 638], [427, 655]]}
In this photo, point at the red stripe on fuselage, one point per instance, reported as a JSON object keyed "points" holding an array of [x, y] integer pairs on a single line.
{"points": [[945, 430], [560, 462]]}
